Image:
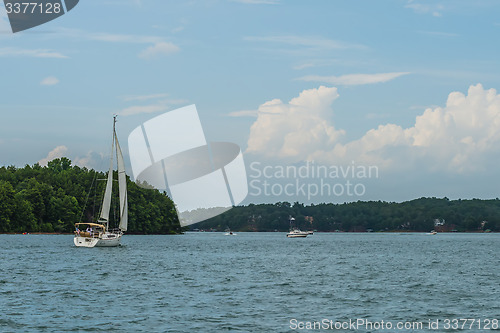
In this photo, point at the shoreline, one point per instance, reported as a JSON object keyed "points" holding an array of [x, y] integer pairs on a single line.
{"points": [[319, 232]]}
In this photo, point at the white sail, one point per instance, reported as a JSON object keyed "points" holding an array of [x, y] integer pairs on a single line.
{"points": [[122, 186], [106, 203]]}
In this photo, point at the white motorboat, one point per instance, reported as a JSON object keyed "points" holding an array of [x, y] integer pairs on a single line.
{"points": [[295, 233]]}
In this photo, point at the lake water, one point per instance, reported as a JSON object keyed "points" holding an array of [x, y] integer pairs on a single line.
{"points": [[252, 282]]}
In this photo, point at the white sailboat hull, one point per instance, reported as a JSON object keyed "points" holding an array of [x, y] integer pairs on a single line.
{"points": [[109, 242], [106, 240], [85, 241]]}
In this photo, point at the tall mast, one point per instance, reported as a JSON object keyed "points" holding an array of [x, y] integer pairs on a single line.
{"points": [[122, 185]]}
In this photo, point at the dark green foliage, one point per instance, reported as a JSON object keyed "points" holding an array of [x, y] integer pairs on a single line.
{"points": [[416, 215], [54, 198]]}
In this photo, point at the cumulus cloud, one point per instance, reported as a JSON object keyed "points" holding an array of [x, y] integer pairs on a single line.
{"points": [[158, 49], [57, 152], [289, 130], [49, 81], [458, 137], [91, 160], [354, 79]]}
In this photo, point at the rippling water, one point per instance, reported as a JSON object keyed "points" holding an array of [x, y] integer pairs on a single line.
{"points": [[253, 282]]}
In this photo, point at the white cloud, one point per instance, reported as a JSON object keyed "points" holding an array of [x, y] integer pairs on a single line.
{"points": [[144, 97], [106, 37], [353, 79], [434, 9], [137, 109], [313, 42], [290, 130], [158, 46], [463, 136], [322, 63], [161, 104], [177, 29], [158, 49], [91, 160], [303, 66], [49, 81], [57, 152], [35, 53], [121, 38]]}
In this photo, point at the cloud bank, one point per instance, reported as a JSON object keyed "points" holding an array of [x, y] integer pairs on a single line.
{"points": [[291, 130], [459, 137]]}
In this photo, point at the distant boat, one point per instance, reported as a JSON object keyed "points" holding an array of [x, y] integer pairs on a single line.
{"points": [[295, 233], [99, 234], [228, 232], [433, 232]]}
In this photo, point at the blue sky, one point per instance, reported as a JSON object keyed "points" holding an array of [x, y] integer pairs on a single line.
{"points": [[403, 85]]}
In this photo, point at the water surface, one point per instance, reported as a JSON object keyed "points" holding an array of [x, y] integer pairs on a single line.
{"points": [[252, 282]]}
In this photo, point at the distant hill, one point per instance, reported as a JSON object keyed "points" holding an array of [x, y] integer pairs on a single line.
{"points": [[55, 197], [422, 214]]}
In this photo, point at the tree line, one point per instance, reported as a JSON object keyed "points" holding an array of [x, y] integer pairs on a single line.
{"points": [[55, 197], [424, 214]]}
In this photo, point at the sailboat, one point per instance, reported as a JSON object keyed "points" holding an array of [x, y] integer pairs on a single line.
{"points": [[99, 234]]}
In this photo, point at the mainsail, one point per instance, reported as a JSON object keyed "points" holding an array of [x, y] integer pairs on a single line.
{"points": [[122, 186], [106, 203]]}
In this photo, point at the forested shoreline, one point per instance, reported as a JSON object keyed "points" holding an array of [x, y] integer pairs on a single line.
{"points": [[419, 215], [52, 199]]}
